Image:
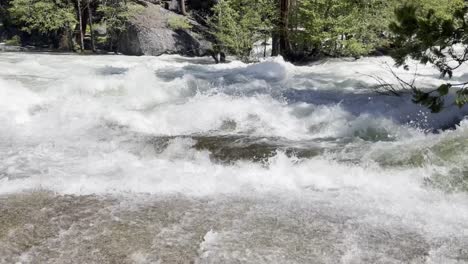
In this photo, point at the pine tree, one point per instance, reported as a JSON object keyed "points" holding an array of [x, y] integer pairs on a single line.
{"points": [[433, 37]]}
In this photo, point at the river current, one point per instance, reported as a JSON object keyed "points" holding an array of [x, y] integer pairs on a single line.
{"points": [[114, 159]]}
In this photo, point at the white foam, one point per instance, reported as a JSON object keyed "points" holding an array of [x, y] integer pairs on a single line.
{"points": [[74, 124], [16, 102]]}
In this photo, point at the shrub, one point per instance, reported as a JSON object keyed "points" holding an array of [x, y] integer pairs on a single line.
{"points": [[239, 24], [178, 22], [14, 41]]}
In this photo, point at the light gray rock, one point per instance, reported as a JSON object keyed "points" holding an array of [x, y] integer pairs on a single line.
{"points": [[149, 34], [4, 47], [174, 5]]}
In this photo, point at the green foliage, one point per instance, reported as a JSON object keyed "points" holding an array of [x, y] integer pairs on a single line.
{"points": [[436, 36], [462, 97], [102, 40], [428, 37], [331, 27], [342, 27], [178, 22], [43, 16], [441, 8], [115, 16], [238, 24], [14, 41], [433, 102]]}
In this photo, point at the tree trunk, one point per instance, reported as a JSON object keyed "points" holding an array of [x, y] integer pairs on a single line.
{"points": [[84, 20], [90, 17], [275, 44], [70, 39], [284, 44], [80, 20], [183, 9]]}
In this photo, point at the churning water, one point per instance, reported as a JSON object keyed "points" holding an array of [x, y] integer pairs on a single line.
{"points": [[112, 159]]}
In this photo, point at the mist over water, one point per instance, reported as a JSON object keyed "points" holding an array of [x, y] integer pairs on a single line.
{"points": [[113, 159]]}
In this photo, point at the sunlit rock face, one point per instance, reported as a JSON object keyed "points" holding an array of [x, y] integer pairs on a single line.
{"points": [[114, 159], [149, 33]]}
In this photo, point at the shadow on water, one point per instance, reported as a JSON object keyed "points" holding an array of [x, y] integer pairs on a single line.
{"points": [[269, 71], [353, 95], [399, 109], [320, 89], [192, 60], [109, 70]]}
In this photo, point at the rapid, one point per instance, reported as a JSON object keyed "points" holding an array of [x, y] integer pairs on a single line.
{"points": [[115, 159]]}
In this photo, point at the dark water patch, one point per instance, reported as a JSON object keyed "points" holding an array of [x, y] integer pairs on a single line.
{"points": [[351, 101], [273, 74], [374, 134], [399, 109], [109, 70], [192, 60]]}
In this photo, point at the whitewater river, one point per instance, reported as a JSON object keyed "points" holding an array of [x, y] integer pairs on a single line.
{"points": [[113, 159]]}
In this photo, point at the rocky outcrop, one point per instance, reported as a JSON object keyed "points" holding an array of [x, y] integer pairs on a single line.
{"points": [[149, 33]]}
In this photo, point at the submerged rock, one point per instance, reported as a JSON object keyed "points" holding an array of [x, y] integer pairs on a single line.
{"points": [[149, 33]]}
